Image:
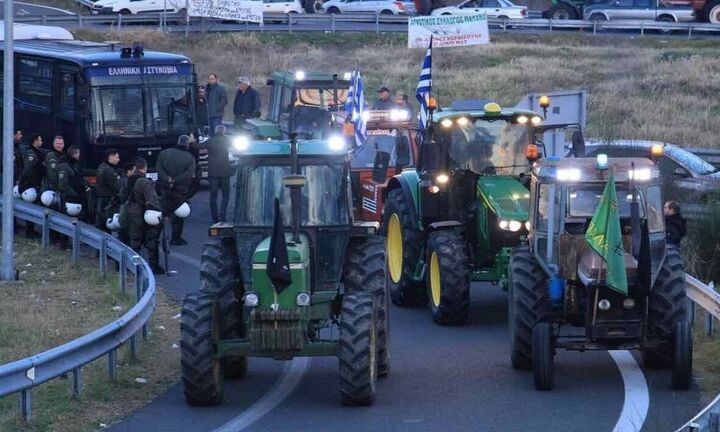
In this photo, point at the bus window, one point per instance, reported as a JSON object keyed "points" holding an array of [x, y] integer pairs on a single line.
{"points": [[34, 91], [67, 94]]}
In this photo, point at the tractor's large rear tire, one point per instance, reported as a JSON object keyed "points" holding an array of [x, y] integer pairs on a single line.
{"points": [[365, 271], [357, 352], [668, 305], [682, 356], [448, 277], [202, 374], [220, 276], [528, 304], [404, 245]]}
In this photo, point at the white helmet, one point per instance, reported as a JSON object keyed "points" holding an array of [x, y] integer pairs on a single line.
{"points": [[29, 194], [113, 223], [153, 217], [16, 191], [183, 211], [48, 198], [73, 209]]}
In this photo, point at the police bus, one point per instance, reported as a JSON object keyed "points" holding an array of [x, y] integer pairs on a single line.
{"points": [[101, 95]]}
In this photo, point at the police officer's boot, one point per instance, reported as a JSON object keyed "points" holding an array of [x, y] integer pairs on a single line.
{"points": [[154, 259], [177, 228]]}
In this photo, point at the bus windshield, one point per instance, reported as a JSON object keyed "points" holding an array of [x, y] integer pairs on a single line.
{"points": [[137, 105]]}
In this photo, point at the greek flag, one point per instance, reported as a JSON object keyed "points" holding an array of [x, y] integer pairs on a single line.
{"points": [[355, 106], [424, 87]]}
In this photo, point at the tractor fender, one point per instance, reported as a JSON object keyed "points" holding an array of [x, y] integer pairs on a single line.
{"points": [[402, 182], [445, 225]]}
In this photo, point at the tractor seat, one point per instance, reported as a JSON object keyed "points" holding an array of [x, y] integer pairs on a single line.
{"points": [[591, 263]]}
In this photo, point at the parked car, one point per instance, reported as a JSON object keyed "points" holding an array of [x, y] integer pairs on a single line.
{"points": [[283, 6], [492, 8], [655, 10], [383, 7], [692, 177], [137, 6]]}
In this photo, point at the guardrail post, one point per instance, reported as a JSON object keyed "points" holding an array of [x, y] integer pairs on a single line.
{"points": [[112, 364], [45, 230], [708, 324], [289, 23], [690, 27], [119, 21], [80, 20], [43, 19], [102, 259], [26, 404], [642, 29], [75, 242], [377, 22], [550, 22], [332, 23], [594, 28], [123, 271], [77, 382], [137, 261]]}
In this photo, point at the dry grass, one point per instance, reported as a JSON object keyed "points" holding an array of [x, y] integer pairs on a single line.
{"points": [[651, 88], [58, 302], [706, 361]]}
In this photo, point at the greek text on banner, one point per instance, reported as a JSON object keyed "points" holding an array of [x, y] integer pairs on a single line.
{"points": [[242, 10], [448, 31]]}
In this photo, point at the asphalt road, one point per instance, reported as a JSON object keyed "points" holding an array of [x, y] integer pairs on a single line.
{"points": [[442, 379], [27, 9]]}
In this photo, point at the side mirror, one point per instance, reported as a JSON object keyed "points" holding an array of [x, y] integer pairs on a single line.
{"points": [[578, 144], [402, 151]]}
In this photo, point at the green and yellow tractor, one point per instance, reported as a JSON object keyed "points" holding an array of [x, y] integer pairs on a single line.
{"points": [[292, 264], [455, 217]]}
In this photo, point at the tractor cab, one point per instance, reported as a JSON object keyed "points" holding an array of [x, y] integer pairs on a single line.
{"points": [[596, 273], [305, 103], [389, 148]]}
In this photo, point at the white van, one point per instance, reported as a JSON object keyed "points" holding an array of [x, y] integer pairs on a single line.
{"points": [[138, 6]]}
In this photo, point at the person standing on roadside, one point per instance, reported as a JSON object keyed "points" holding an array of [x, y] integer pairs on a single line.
{"points": [[52, 159], [19, 148], [32, 175], [675, 228], [142, 198], [176, 170], [71, 182], [247, 102], [219, 172], [201, 108], [108, 184], [217, 99]]}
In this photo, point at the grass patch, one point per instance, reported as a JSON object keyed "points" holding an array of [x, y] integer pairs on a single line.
{"points": [[643, 88], [706, 360], [58, 302]]}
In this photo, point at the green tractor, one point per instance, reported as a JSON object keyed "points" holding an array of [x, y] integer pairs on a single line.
{"points": [[302, 102], [335, 274], [455, 217], [564, 294]]}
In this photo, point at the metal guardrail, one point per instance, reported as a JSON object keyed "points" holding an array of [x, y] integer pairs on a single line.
{"points": [[363, 22], [24, 374]]}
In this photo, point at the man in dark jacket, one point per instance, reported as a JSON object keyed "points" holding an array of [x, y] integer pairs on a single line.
{"points": [[71, 182], [384, 102], [19, 149], [52, 159], [247, 102], [176, 170], [216, 100], [142, 197], [219, 172], [675, 228], [201, 108], [108, 184], [32, 174]]}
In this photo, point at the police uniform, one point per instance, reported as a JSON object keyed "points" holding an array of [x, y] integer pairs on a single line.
{"points": [[50, 181], [108, 184], [31, 177], [142, 197], [71, 183], [176, 170]]}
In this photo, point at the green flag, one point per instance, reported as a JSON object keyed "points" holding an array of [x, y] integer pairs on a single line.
{"points": [[605, 237]]}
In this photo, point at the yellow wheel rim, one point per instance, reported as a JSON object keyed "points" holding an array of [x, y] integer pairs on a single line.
{"points": [[435, 286], [395, 248]]}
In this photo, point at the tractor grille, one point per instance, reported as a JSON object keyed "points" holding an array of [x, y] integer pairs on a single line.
{"points": [[282, 330]]}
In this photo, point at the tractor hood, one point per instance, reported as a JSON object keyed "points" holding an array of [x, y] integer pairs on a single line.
{"points": [[505, 196], [261, 129], [299, 258]]}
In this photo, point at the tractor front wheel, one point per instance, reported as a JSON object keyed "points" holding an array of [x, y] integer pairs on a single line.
{"points": [[543, 352], [365, 271], [682, 356], [404, 244], [202, 373], [357, 352], [448, 278], [668, 305], [528, 304]]}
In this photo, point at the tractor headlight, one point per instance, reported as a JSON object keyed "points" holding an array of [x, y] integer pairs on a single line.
{"points": [[642, 174], [511, 225], [528, 225], [399, 115], [241, 143], [442, 178], [252, 300], [522, 119], [629, 303], [303, 299], [299, 75], [336, 143], [535, 120], [569, 174], [604, 304]]}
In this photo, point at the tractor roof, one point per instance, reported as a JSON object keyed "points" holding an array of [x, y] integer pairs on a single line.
{"points": [[586, 169], [482, 114], [310, 78], [314, 147]]}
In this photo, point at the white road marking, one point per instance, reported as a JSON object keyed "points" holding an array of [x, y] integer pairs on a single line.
{"points": [[289, 379], [291, 376], [637, 396]]}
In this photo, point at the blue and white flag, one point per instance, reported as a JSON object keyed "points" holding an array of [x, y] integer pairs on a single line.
{"points": [[424, 87], [355, 106]]}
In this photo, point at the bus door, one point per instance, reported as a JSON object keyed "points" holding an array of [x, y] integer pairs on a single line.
{"points": [[66, 109]]}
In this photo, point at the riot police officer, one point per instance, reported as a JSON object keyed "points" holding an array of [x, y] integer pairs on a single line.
{"points": [[176, 170], [108, 184], [52, 160], [143, 215], [30, 180], [72, 184]]}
